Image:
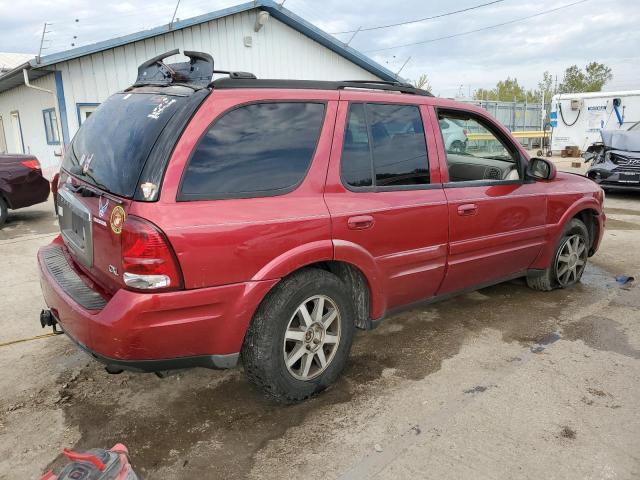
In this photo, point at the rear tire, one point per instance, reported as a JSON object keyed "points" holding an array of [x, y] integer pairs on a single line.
{"points": [[291, 355], [4, 212], [569, 260]]}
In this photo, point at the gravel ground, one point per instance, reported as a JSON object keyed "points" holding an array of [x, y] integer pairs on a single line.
{"points": [[500, 383]]}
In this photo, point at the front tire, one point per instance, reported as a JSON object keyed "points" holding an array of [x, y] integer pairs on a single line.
{"points": [[569, 260], [4, 212], [300, 337]]}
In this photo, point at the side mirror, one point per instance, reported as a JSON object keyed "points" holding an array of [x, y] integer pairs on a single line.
{"points": [[541, 169]]}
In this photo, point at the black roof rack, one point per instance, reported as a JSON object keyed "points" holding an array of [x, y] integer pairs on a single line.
{"points": [[252, 82], [196, 72]]}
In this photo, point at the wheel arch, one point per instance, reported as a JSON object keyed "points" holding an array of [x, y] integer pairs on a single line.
{"points": [[349, 262], [589, 216], [587, 210]]}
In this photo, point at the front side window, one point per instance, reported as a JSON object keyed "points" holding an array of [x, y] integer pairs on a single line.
{"points": [[51, 126], [475, 152], [384, 146], [255, 150]]}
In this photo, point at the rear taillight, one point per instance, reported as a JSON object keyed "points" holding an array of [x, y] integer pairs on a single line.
{"points": [[148, 261], [466, 132], [55, 183], [32, 164]]}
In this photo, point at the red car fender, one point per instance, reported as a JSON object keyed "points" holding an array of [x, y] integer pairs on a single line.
{"points": [[357, 256], [554, 230], [292, 260]]}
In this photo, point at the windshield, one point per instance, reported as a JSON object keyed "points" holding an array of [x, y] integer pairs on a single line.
{"points": [[113, 144]]}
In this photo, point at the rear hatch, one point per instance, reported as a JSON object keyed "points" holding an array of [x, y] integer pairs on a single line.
{"points": [[117, 157]]}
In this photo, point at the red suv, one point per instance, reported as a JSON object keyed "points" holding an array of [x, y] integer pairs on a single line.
{"points": [[203, 222]]}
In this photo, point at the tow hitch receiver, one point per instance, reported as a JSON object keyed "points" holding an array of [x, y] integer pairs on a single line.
{"points": [[47, 319]]}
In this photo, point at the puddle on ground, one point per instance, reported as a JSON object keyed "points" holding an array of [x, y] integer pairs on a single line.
{"points": [[217, 421], [615, 224], [29, 222], [620, 211], [601, 334]]}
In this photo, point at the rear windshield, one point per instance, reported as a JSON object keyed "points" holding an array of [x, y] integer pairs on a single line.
{"points": [[113, 144]]}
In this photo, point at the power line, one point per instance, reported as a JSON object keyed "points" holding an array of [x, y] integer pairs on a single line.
{"points": [[545, 12], [408, 22]]}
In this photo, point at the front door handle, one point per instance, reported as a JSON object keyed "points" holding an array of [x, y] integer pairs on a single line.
{"points": [[361, 222], [467, 209]]}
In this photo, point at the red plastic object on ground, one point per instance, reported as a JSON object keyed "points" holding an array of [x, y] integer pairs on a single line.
{"points": [[96, 464]]}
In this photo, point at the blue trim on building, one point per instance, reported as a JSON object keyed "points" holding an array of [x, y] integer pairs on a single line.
{"points": [[62, 107], [280, 13], [46, 116], [78, 105]]}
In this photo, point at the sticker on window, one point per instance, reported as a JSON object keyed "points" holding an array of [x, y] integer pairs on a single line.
{"points": [[165, 102]]}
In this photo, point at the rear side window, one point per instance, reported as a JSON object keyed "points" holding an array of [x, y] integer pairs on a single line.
{"points": [[256, 150], [384, 146]]}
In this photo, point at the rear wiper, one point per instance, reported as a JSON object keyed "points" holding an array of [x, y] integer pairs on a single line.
{"points": [[83, 190], [77, 171]]}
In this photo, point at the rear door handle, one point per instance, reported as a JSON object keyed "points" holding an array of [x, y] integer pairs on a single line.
{"points": [[361, 222], [467, 209]]}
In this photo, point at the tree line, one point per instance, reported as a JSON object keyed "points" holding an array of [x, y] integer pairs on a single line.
{"points": [[575, 80]]}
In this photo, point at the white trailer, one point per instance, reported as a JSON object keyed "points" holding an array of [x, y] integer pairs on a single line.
{"points": [[578, 118]]}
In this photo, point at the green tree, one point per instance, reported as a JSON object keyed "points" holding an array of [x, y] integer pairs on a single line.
{"points": [[423, 82], [506, 91], [597, 76], [592, 79], [545, 87]]}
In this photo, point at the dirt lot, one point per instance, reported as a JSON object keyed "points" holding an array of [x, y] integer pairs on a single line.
{"points": [[501, 383]]}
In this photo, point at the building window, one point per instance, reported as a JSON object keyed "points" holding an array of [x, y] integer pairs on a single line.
{"points": [[84, 111], [51, 126]]}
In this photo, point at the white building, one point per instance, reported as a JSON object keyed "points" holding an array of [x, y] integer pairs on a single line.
{"points": [[578, 118], [64, 88]]}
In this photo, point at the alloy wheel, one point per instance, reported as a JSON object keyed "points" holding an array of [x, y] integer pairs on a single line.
{"points": [[571, 260], [312, 337]]}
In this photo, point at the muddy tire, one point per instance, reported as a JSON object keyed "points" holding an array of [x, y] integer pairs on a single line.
{"points": [[300, 337], [569, 260], [4, 212]]}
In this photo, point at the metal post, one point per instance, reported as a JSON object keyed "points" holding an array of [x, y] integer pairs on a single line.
{"points": [[403, 65], [174, 15], [353, 36], [44, 31]]}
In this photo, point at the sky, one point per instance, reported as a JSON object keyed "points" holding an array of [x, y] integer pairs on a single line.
{"points": [[594, 30]]}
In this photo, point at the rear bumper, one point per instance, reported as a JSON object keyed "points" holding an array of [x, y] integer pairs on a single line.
{"points": [[32, 192], [154, 331]]}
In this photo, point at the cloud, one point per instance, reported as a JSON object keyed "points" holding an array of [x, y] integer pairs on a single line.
{"points": [[601, 30]]}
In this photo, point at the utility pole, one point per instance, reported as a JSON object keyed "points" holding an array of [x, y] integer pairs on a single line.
{"points": [[44, 32]]}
